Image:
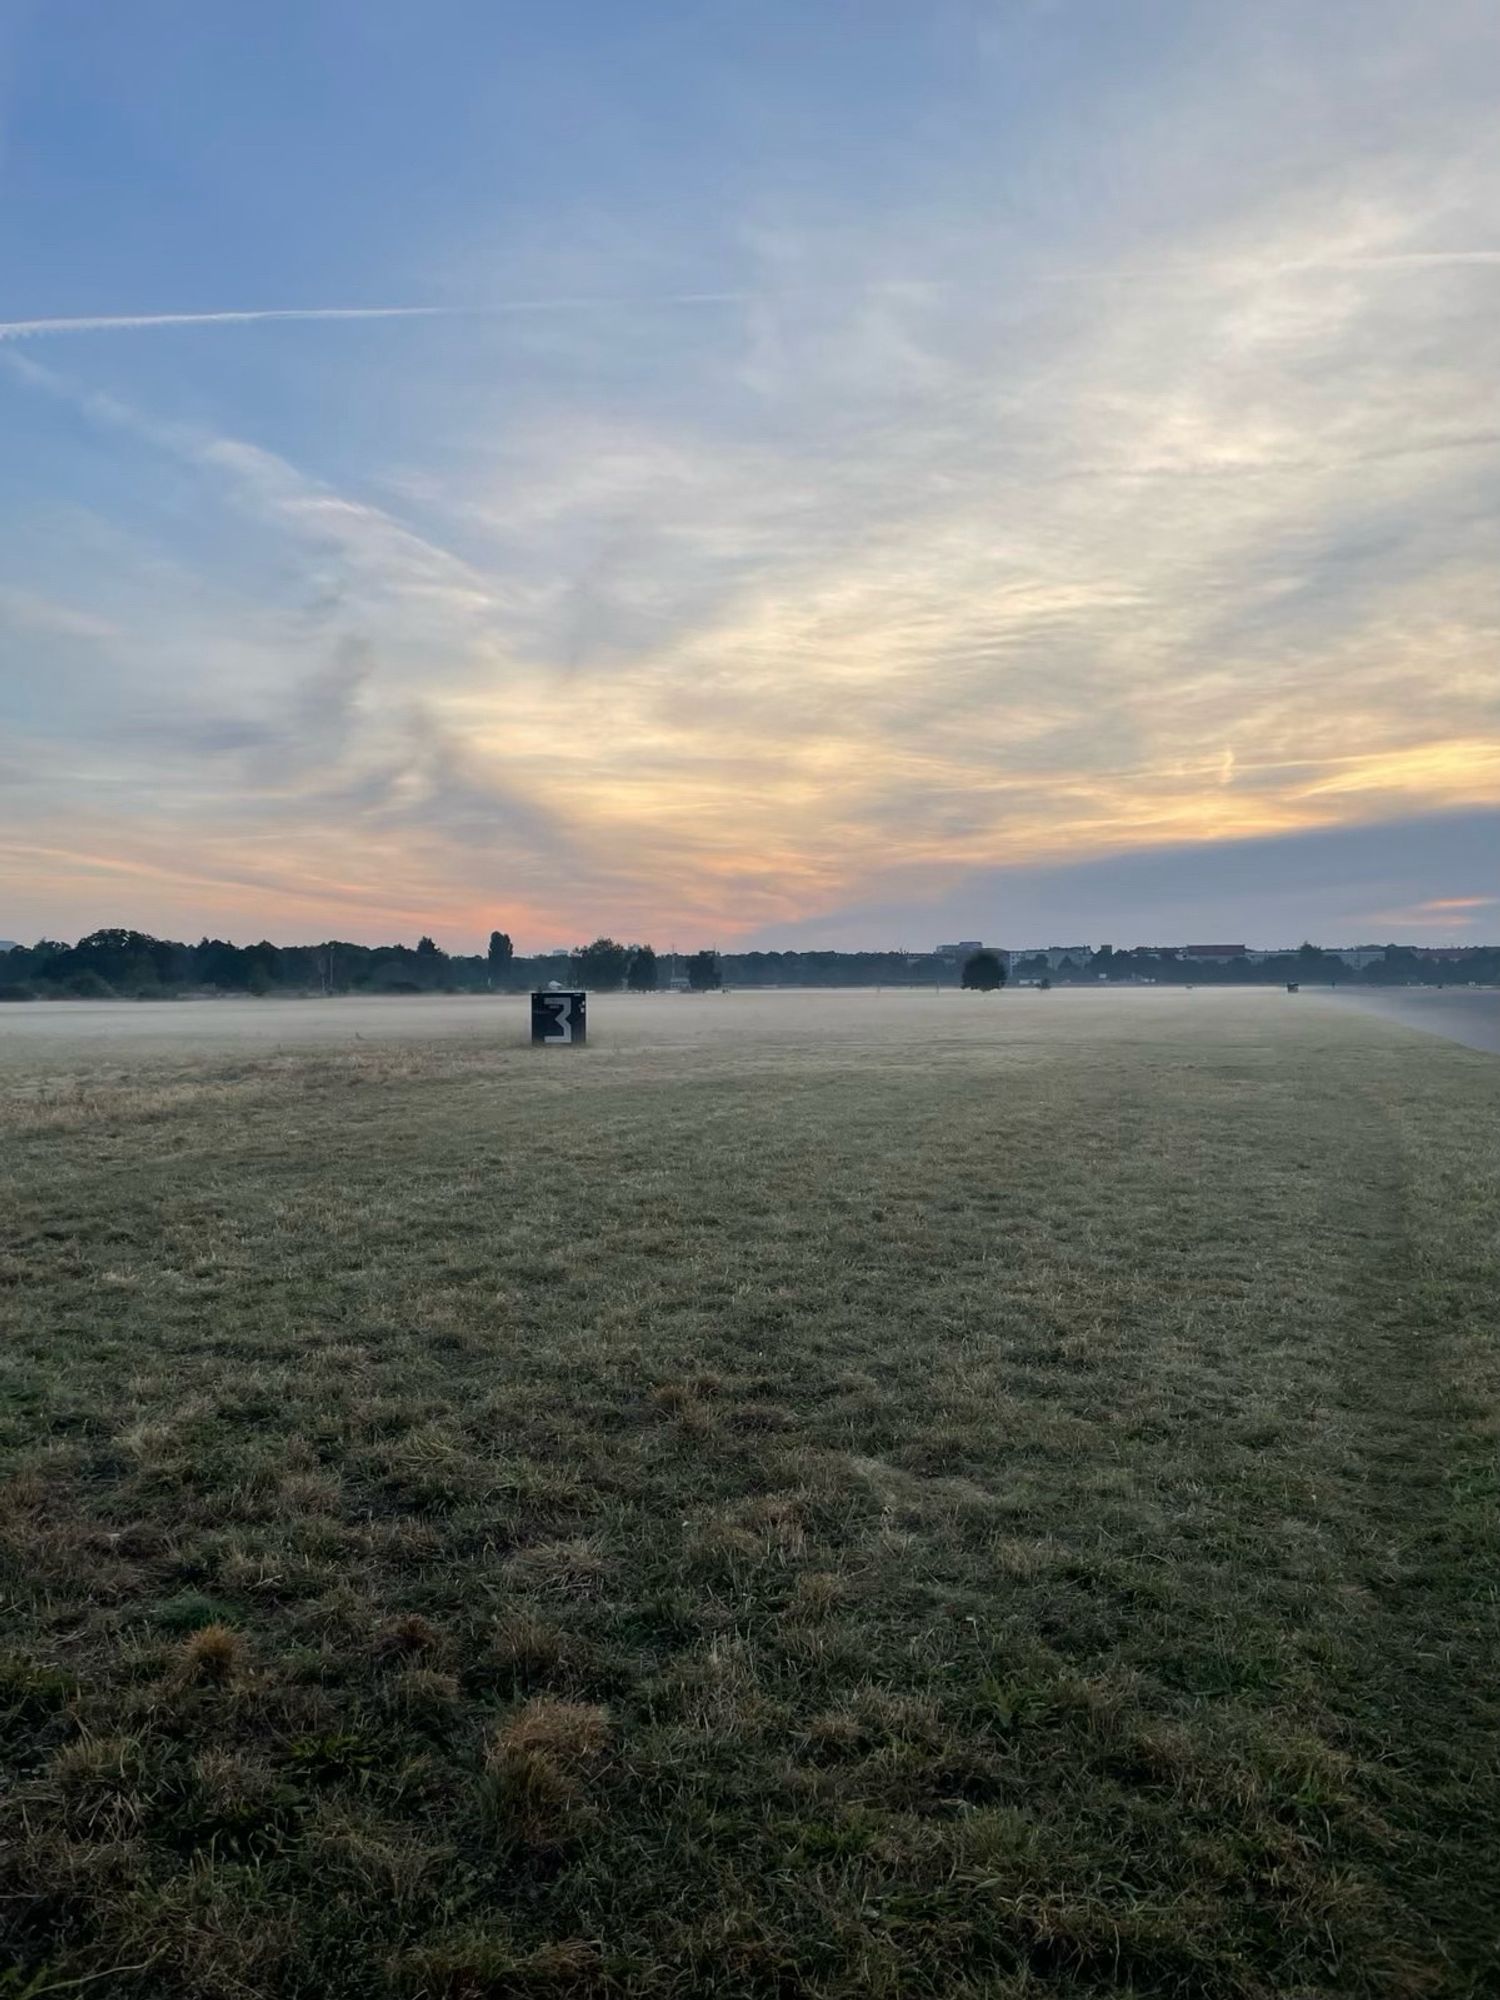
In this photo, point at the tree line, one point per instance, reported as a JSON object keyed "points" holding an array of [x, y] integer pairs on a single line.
{"points": [[129, 964], [1398, 965], [133, 964]]}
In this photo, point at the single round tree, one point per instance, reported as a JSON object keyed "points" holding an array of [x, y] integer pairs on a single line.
{"points": [[983, 972], [602, 965]]}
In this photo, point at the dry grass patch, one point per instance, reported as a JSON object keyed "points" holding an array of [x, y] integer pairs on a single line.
{"points": [[213, 1655], [539, 1761]]}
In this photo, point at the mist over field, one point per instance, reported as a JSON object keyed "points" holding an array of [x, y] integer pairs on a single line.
{"points": [[852, 1016]]}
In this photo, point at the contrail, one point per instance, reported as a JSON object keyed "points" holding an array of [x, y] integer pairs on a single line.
{"points": [[25, 329], [28, 329]]}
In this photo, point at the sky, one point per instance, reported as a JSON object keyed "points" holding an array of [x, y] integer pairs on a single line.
{"points": [[837, 472]]}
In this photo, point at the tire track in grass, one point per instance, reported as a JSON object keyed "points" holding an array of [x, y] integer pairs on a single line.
{"points": [[1417, 1696]]}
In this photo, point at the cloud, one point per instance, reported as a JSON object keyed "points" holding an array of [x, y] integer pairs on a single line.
{"points": [[1345, 885], [931, 556], [30, 611], [1443, 913]]}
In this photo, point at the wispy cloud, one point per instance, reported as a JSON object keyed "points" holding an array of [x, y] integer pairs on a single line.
{"points": [[26, 609], [1442, 913]]}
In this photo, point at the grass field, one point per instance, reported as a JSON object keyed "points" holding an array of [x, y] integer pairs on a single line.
{"points": [[815, 1495]]}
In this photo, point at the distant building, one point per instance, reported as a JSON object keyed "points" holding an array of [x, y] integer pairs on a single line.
{"points": [[962, 949], [1077, 955], [1215, 951], [9, 944]]}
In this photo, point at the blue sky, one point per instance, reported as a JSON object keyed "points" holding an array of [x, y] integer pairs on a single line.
{"points": [[826, 472]]}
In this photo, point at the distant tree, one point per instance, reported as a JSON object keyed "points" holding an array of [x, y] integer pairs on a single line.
{"points": [[1399, 965], [262, 966], [219, 963], [983, 972], [87, 986], [17, 967], [124, 960], [432, 967], [499, 956], [642, 975], [704, 974], [1315, 963], [602, 965]]}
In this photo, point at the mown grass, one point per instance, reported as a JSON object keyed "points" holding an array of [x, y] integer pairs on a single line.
{"points": [[818, 1498]]}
